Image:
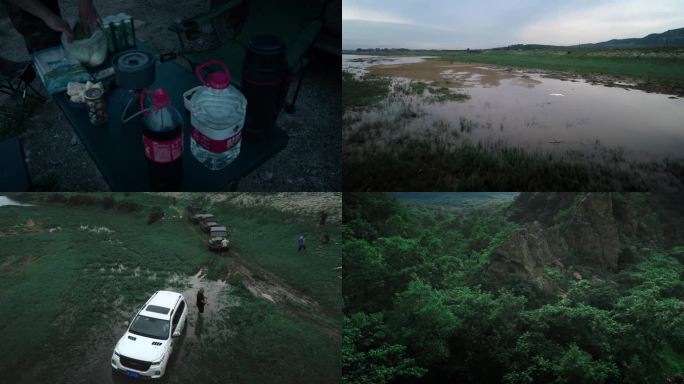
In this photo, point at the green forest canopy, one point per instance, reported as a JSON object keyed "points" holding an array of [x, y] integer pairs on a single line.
{"points": [[420, 307]]}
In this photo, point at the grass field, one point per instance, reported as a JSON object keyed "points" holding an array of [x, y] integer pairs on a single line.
{"points": [[71, 275], [644, 64], [268, 238]]}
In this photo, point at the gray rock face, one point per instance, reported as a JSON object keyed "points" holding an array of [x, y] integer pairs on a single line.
{"points": [[539, 206], [593, 232], [528, 252], [587, 234]]}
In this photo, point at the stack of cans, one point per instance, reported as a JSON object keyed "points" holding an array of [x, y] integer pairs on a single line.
{"points": [[120, 31]]}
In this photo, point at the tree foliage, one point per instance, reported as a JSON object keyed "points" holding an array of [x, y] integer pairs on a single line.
{"points": [[369, 357], [420, 308]]}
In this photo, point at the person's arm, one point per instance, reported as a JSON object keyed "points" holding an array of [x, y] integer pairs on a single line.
{"points": [[39, 10], [88, 15]]}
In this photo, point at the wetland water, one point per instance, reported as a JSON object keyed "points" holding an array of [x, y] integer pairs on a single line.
{"points": [[538, 113]]}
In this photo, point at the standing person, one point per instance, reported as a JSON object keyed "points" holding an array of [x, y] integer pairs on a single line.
{"points": [[301, 243], [40, 21], [200, 300]]}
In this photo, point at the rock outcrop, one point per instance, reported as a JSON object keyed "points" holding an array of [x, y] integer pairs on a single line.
{"points": [[559, 231]]}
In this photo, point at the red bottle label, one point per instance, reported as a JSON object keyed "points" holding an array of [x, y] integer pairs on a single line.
{"points": [[215, 146], [163, 151]]}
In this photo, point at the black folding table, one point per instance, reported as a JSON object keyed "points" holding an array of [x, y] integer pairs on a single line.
{"points": [[117, 148]]}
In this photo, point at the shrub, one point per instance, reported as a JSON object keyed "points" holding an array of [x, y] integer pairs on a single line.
{"points": [[56, 198], [80, 200], [155, 215], [108, 202], [129, 207]]}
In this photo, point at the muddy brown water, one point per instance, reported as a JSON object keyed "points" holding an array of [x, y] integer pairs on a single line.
{"points": [[529, 110]]}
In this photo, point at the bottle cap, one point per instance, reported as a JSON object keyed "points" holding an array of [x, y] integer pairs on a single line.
{"points": [[218, 80], [160, 98]]}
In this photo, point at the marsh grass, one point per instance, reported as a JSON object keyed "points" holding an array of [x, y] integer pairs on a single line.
{"points": [[443, 94], [362, 93], [428, 92], [443, 158]]}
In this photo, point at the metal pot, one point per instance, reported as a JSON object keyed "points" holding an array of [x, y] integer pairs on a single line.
{"points": [[134, 69]]}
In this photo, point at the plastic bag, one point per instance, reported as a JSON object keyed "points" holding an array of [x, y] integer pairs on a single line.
{"points": [[57, 68], [91, 51]]}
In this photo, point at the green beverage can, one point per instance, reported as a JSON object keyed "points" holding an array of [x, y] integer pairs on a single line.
{"points": [[130, 31], [110, 42], [119, 35]]}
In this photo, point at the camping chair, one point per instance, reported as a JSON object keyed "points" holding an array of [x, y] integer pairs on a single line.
{"points": [[15, 80], [13, 174], [295, 22]]}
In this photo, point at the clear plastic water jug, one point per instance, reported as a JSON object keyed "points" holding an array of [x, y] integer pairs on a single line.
{"points": [[217, 116]]}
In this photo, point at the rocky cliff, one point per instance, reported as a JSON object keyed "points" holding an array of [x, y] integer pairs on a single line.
{"points": [[571, 232]]}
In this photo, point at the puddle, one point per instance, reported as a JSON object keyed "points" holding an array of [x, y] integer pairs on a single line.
{"points": [[213, 290], [96, 230], [6, 201], [538, 113]]}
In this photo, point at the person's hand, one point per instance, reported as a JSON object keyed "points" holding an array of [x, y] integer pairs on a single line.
{"points": [[88, 15], [58, 24]]}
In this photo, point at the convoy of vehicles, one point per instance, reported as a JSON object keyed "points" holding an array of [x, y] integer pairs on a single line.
{"points": [[208, 222], [218, 234]]}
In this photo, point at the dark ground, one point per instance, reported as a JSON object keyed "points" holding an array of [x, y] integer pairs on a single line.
{"points": [[57, 160]]}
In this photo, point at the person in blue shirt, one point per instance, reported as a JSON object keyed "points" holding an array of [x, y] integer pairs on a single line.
{"points": [[301, 242]]}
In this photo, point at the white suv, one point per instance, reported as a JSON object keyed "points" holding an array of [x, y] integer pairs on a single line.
{"points": [[145, 348]]}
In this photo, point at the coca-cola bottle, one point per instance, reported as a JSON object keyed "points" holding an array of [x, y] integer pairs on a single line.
{"points": [[163, 141]]}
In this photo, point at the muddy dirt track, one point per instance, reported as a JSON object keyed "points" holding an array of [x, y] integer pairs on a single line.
{"points": [[203, 333], [255, 326]]}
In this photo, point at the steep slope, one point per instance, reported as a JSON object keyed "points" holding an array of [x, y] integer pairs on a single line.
{"points": [[579, 232]]}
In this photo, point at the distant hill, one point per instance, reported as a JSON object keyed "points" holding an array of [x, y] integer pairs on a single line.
{"points": [[671, 38], [454, 199]]}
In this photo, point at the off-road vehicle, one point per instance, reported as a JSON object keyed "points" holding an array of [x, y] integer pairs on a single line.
{"points": [[218, 239], [145, 348], [207, 223]]}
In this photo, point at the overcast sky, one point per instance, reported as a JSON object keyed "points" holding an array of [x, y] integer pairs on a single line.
{"points": [[460, 24]]}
